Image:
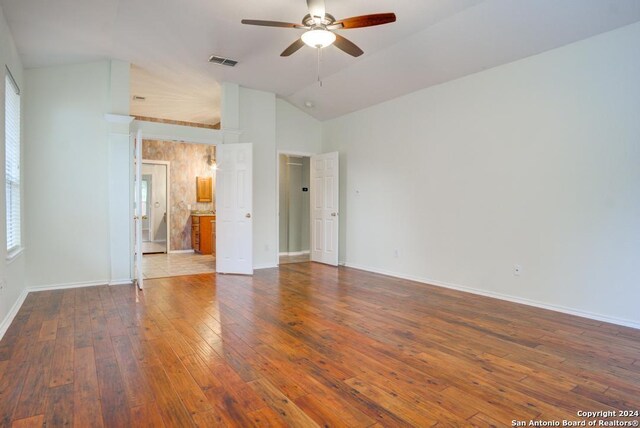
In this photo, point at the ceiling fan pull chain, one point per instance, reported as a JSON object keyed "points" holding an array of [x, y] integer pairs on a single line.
{"points": [[318, 65], [319, 53]]}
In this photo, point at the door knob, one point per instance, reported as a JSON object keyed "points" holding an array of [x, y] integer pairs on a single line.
{"points": [[248, 215], [334, 214]]}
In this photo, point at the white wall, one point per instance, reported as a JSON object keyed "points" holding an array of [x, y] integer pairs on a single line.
{"points": [[120, 208], [535, 163], [120, 177], [257, 118], [67, 164], [296, 131], [12, 284]]}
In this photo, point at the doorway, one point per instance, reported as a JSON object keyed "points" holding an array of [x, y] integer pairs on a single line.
{"points": [[177, 221], [155, 203], [294, 208]]}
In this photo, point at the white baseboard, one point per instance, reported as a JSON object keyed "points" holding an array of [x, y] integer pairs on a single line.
{"points": [[294, 253], [125, 281], [264, 266], [500, 296], [181, 251], [4, 326], [67, 285]]}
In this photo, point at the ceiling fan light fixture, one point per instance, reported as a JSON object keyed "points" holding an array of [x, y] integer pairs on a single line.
{"points": [[318, 38]]}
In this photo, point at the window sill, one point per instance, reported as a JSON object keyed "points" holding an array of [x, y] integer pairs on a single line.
{"points": [[14, 254]]}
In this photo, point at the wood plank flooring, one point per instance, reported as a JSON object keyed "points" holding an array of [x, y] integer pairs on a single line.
{"points": [[304, 345]]}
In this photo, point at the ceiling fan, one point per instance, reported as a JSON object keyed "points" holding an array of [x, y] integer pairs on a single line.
{"points": [[320, 28]]}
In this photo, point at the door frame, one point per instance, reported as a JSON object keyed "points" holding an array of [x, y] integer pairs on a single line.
{"points": [[168, 207], [136, 197], [288, 153], [164, 132]]}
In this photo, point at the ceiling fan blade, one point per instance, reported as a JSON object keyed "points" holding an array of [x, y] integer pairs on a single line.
{"points": [[316, 10], [364, 21], [347, 46], [271, 23], [293, 47]]}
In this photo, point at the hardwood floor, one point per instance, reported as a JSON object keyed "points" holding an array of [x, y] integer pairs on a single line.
{"points": [[304, 345]]}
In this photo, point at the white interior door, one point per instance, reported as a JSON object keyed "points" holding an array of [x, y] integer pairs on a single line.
{"points": [[137, 207], [234, 223], [324, 208]]}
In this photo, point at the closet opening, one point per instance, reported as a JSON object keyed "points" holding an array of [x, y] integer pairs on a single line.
{"points": [[294, 208]]}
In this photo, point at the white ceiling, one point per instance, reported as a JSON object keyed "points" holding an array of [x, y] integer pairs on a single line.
{"points": [[168, 97], [433, 41]]}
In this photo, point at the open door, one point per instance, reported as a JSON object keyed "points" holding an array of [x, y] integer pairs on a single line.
{"points": [[324, 208], [137, 210], [234, 196]]}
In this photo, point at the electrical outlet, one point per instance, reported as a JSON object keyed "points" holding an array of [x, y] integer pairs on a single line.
{"points": [[3, 286], [396, 253], [517, 270], [266, 247]]}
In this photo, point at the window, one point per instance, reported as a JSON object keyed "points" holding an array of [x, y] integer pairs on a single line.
{"points": [[12, 162]]}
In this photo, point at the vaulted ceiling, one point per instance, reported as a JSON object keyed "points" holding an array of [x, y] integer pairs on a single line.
{"points": [[169, 42]]}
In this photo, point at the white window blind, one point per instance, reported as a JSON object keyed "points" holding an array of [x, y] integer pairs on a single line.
{"points": [[12, 161]]}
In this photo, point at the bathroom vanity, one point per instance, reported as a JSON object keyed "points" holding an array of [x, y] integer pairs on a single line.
{"points": [[203, 233]]}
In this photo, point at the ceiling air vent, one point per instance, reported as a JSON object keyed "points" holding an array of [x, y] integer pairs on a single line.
{"points": [[222, 61]]}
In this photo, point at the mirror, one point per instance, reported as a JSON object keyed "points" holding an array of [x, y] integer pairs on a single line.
{"points": [[204, 189]]}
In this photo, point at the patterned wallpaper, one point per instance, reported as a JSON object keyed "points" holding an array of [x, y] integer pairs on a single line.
{"points": [[188, 161]]}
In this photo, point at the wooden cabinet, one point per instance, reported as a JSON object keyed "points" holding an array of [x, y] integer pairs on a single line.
{"points": [[195, 234], [204, 189], [203, 234]]}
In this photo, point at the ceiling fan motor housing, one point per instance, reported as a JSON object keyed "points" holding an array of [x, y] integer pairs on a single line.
{"points": [[308, 21]]}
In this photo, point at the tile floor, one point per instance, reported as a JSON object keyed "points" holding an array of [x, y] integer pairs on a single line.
{"points": [[154, 247], [163, 265], [294, 259]]}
